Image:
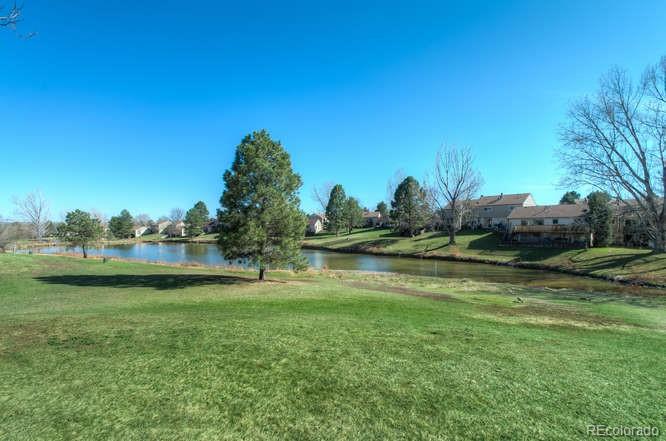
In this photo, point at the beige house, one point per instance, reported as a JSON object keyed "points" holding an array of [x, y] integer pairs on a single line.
{"points": [[627, 226], [551, 225], [162, 226], [489, 211], [178, 230], [140, 230], [315, 223], [211, 226], [372, 218]]}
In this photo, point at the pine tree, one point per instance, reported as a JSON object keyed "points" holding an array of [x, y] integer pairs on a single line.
{"points": [[122, 226], [409, 207], [570, 197], [196, 218], [383, 210], [599, 217], [80, 229], [353, 214], [260, 219], [335, 210]]}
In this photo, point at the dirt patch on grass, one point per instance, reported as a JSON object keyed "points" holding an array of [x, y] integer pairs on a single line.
{"points": [[61, 334], [546, 314], [401, 290]]}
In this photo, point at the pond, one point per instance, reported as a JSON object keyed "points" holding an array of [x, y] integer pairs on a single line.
{"points": [[210, 254]]}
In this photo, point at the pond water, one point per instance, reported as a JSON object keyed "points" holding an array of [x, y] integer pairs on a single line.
{"points": [[210, 254]]}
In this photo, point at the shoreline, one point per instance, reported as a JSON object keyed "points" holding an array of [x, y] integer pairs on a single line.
{"points": [[631, 281], [512, 264]]}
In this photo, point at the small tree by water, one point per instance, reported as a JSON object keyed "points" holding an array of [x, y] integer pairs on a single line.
{"points": [[80, 229]]}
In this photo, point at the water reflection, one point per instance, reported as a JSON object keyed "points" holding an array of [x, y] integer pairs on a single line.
{"points": [[210, 254]]}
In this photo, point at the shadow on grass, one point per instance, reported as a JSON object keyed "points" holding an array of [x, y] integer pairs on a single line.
{"points": [[156, 281], [621, 260], [375, 243]]}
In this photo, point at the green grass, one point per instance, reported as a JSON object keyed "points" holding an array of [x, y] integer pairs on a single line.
{"points": [[638, 264], [130, 351]]}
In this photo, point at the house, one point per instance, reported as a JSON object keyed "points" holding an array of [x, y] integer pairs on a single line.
{"points": [[315, 223], [160, 227], [550, 225], [488, 211], [372, 219], [628, 228], [176, 230], [212, 226], [140, 230]]}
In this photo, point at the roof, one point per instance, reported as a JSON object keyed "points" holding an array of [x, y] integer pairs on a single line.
{"points": [[501, 199], [549, 211], [372, 214], [313, 218]]}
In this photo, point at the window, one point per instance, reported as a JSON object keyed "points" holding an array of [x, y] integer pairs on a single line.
{"points": [[556, 221], [523, 223], [539, 222]]}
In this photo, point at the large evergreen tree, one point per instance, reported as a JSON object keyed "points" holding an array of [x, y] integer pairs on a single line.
{"points": [[570, 197], [353, 214], [80, 229], [196, 218], [122, 226], [335, 210], [409, 207], [599, 217], [260, 216], [383, 210]]}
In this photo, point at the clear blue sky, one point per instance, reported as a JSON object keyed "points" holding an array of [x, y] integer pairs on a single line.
{"points": [[140, 105]]}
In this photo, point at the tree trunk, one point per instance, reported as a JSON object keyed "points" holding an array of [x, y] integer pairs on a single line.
{"points": [[85, 253], [660, 237], [262, 272], [452, 235]]}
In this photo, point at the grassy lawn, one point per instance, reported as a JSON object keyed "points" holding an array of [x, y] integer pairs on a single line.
{"points": [[614, 261], [129, 351]]}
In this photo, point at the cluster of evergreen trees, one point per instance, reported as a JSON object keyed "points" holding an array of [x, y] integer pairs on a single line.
{"points": [[342, 213]]}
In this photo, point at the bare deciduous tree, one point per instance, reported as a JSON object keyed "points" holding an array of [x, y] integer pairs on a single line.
{"points": [[34, 210], [176, 215], [101, 217], [11, 17], [456, 181], [142, 219], [393, 182], [616, 140], [320, 194]]}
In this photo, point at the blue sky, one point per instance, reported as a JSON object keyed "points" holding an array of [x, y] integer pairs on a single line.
{"points": [[140, 105]]}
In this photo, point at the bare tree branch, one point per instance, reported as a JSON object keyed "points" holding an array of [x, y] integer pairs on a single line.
{"points": [[11, 18], [456, 182], [321, 194], [616, 142], [393, 183], [34, 210]]}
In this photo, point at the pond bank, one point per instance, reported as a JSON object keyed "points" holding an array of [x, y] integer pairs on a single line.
{"points": [[635, 281]]}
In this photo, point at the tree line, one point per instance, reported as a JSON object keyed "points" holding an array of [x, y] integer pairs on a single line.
{"points": [[414, 206]]}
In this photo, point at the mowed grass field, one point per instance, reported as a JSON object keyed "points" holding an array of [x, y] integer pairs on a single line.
{"points": [[629, 263], [130, 351]]}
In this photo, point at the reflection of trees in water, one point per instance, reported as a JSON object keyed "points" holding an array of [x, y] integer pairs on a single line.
{"points": [[196, 249]]}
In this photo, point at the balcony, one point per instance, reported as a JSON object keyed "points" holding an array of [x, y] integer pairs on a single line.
{"points": [[552, 229]]}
